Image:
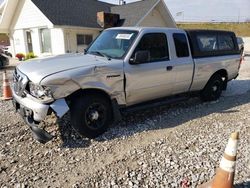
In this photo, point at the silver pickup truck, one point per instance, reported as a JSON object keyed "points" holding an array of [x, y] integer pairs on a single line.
{"points": [[122, 70]]}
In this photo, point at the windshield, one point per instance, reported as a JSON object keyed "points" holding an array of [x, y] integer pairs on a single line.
{"points": [[113, 43]]}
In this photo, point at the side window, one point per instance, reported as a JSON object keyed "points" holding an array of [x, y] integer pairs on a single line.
{"points": [[181, 45], [207, 43], [226, 42], [156, 44]]}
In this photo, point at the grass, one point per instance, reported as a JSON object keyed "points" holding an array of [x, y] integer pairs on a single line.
{"points": [[241, 29]]}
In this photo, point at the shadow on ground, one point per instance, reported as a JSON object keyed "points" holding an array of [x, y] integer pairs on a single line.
{"points": [[243, 185], [156, 118]]}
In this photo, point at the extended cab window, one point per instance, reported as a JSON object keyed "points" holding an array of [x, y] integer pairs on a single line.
{"points": [[181, 45], [207, 43], [156, 44], [226, 42]]}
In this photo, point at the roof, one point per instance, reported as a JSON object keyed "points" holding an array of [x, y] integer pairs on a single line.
{"points": [[132, 13], [80, 13], [83, 12], [146, 28]]}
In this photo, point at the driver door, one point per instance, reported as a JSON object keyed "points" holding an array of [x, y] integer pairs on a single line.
{"points": [[152, 79]]}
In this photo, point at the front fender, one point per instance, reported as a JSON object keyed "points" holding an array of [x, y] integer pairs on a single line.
{"points": [[104, 78]]}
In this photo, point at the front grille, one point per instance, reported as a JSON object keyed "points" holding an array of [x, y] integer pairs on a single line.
{"points": [[19, 82]]}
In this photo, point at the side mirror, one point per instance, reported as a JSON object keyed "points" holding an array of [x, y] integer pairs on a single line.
{"points": [[141, 57]]}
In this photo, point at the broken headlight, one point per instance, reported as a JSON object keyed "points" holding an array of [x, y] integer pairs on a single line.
{"points": [[42, 93]]}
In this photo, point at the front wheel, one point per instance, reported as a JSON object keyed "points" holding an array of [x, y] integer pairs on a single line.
{"points": [[213, 89], [90, 115]]}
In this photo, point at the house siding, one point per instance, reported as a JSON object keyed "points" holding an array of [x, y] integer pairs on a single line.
{"points": [[153, 19], [57, 41], [29, 16], [36, 41], [18, 41], [71, 40]]}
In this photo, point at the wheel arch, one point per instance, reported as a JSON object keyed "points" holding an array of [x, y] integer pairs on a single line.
{"points": [[96, 91], [82, 92], [224, 74]]}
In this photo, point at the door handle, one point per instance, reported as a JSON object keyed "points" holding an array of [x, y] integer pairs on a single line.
{"points": [[169, 68]]}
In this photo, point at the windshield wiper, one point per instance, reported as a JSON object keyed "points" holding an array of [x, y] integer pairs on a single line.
{"points": [[101, 54]]}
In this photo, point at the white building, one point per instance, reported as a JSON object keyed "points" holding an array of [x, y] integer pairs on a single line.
{"points": [[52, 27]]}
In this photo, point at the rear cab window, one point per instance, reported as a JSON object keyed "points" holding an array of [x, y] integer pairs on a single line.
{"points": [[156, 44]]}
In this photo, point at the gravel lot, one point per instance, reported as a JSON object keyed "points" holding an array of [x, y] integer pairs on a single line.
{"points": [[157, 147]]}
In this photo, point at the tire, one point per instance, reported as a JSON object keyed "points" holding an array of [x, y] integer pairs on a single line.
{"points": [[213, 89], [90, 115]]}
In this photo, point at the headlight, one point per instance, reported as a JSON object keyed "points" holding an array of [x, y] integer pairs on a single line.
{"points": [[41, 92]]}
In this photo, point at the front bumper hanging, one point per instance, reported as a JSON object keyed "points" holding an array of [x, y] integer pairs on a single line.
{"points": [[34, 112], [39, 134]]}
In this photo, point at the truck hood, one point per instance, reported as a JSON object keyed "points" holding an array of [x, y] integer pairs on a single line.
{"points": [[38, 69]]}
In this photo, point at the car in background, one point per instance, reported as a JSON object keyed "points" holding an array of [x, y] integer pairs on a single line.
{"points": [[6, 50], [240, 44], [4, 60]]}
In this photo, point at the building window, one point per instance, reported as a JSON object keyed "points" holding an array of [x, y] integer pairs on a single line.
{"points": [[83, 39], [45, 40]]}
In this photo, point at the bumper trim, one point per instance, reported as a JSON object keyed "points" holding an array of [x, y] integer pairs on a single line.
{"points": [[34, 112], [40, 135], [39, 110], [60, 107]]}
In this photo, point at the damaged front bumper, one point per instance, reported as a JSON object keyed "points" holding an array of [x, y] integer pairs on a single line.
{"points": [[34, 112]]}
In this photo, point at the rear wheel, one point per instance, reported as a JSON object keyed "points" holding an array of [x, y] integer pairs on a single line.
{"points": [[213, 89], [90, 115]]}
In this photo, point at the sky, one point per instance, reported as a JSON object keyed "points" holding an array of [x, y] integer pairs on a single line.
{"points": [[206, 10]]}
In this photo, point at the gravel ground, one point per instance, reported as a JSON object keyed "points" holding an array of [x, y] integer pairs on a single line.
{"points": [[158, 147]]}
